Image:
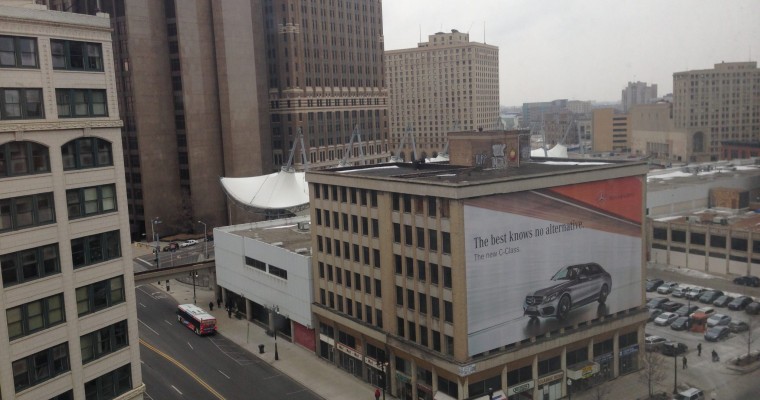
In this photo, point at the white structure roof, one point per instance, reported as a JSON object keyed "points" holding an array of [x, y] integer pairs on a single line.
{"points": [[280, 190], [558, 151]]}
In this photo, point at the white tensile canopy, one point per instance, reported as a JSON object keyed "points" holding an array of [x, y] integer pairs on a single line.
{"points": [[558, 151], [281, 190]]}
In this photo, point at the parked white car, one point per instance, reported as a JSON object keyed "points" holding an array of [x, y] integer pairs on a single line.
{"points": [[667, 287], [188, 243]]}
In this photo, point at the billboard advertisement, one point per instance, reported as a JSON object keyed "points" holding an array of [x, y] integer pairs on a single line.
{"points": [[540, 260]]}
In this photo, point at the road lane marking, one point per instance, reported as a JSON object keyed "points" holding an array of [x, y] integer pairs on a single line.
{"points": [[184, 368], [173, 387], [149, 264], [191, 346], [167, 322], [143, 305], [225, 375], [147, 326]]}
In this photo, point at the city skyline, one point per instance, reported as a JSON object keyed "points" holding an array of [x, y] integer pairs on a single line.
{"points": [[535, 40]]}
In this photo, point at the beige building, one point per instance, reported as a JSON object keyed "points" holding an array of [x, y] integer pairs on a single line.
{"points": [[653, 133], [610, 131], [445, 84], [717, 105], [210, 89], [430, 275], [638, 93], [68, 329]]}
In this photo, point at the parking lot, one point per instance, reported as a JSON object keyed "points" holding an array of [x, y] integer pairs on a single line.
{"points": [[702, 372]]}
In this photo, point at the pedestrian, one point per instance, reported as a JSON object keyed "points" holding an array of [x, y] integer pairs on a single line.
{"points": [[699, 350], [211, 305], [684, 362], [219, 302], [377, 394], [229, 312]]}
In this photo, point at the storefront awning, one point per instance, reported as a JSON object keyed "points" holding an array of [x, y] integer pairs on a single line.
{"points": [[497, 395], [582, 370]]}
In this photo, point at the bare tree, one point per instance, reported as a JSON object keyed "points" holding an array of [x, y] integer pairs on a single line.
{"points": [[653, 369], [600, 392]]}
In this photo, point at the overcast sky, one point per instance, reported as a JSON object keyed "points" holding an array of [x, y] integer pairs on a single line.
{"points": [[585, 50]]}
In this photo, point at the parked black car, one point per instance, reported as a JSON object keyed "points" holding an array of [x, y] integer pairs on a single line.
{"points": [[673, 348], [657, 302], [654, 313], [748, 280], [709, 296], [753, 308], [686, 310], [740, 303], [681, 324], [571, 287], [738, 326], [653, 284], [723, 301], [671, 306], [717, 333]]}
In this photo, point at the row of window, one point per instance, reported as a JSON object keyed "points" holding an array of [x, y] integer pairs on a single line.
{"points": [[44, 313], [264, 267], [421, 305], [323, 219], [25, 158], [27, 103], [326, 271], [360, 254], [22, 52], [699, 238], [346, 305], [416, 204], [420, 234], [354, 195], [423, 270]]}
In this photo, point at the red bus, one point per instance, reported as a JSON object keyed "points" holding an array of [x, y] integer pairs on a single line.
{"points": [[196, 319]]}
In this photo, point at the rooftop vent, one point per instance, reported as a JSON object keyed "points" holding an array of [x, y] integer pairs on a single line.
{"points": [[304, 226], [302, 250], [279, 244]]}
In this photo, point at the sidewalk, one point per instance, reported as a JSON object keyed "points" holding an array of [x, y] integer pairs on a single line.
{"points": [[304, 366]]}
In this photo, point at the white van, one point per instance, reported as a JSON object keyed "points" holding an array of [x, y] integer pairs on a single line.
{"points": [[691, 394]]}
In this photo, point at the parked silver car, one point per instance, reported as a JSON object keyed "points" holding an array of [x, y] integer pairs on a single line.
{"points": [[571, 287]]}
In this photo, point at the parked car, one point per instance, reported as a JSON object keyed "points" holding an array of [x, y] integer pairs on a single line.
{"points": [[654, 313], [657, 302], [667, 287], [653, 284], [188, 243], [680, 291], [753, 308], [571, 287], [694, 293], [681, 324], [723, 301], [690, 394], [707, 311], [671, 306], [687, 310], [718, 319], [673, 348], [738, 326], [665, 318], [653, 343], [748, 280], [171, 246], [709, 296], [716, 333], [740, 303]]}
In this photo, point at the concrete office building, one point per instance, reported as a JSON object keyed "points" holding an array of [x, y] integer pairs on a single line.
{"points": [[638, 93], [221, 88], [68, 326], [653, 134], [430, 275], [717, 105], [445, 84], [610, 131]]}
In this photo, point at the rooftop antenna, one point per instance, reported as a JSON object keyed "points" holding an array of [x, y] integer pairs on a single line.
{"points": [[420, 33], [484, 32]]}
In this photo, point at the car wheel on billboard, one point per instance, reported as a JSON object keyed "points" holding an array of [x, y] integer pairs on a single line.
{"points": [[563, 307], [603, 294]]}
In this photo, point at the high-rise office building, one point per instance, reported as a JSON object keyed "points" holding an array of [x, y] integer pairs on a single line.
{"points": [[638, 93], [68, 326], [716, 105], [222, 88], [445, 84]]}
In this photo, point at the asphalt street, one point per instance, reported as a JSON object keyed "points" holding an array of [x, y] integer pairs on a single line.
{"points": [[177, 364]]}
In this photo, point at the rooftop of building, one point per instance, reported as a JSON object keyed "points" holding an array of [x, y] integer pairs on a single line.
{"points": [[686, 175], [736, 220], [292, 234]]}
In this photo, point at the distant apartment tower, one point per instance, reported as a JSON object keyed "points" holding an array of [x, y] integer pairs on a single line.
{"points": [[557, 120], [716, 105], [638, 93], [445, 84], [68, 326], [221, 88]]}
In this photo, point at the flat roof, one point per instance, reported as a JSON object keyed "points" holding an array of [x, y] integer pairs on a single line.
{"points": [[744, 220], [690, 174], [291, 233]]}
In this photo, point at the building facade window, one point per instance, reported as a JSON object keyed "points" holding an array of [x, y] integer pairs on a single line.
{"points": [[72, 55], [21, 103], [39, 367], [81, 103], [100, 295], [103, 341], [86, 153], [95, 249], [26, 211], [31, 264], [18, 52], [93, 200], [109, 385], [35, 316], [23, 158]]}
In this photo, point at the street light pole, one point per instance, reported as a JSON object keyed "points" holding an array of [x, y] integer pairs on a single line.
{"points": [[205, 239], [675, 369], [194, 275], [155, 221]]}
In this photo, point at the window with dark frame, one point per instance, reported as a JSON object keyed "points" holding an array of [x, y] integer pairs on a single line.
{"points": [[18, 52], [73, 55], [21, 103], [23, 158], [81, 103]]}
